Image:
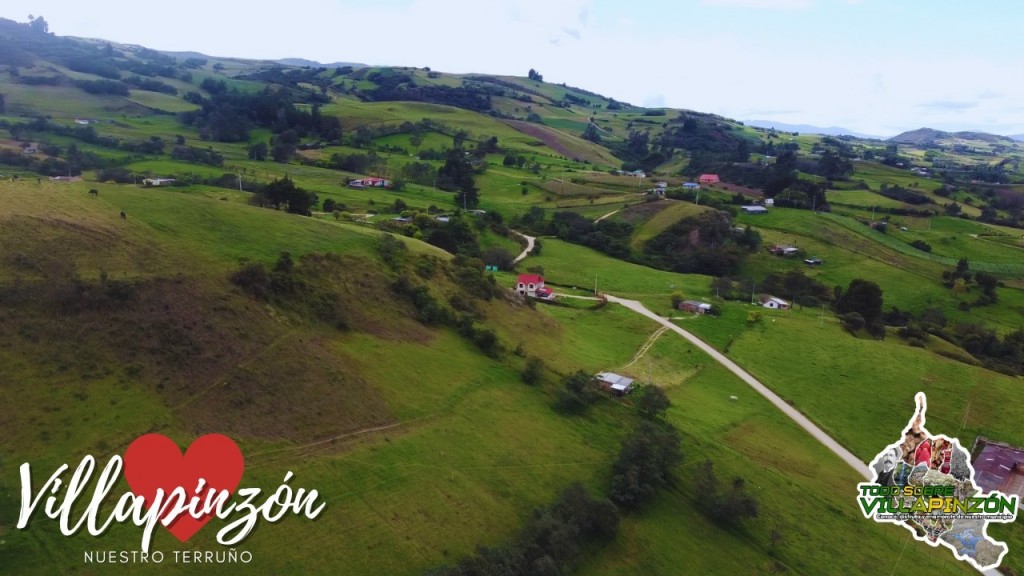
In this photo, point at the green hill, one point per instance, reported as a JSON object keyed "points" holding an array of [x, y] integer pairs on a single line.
{"points": [[351, 334]]}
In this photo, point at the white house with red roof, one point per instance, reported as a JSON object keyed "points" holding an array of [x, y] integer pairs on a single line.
{"points": [[533, 285]]}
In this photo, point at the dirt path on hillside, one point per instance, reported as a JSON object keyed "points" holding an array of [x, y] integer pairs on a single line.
{"points": [[530, 241], [612, 213], [647, 346]]}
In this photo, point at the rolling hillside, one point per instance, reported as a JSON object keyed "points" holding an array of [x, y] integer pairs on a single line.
{"points": [[352, 335]]}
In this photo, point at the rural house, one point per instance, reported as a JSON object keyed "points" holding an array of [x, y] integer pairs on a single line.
{"points": [[370, 183], [754, 210], [691, 186], [157, 181], [533, 285], [783, 250], [709, 179], [614, 383], [774, 303], [695, 306]]}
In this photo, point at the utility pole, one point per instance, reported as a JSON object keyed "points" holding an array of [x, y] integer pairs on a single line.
{"points": [[595, 284]]}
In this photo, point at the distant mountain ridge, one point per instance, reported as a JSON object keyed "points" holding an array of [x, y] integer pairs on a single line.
{"points": [[302, 62], [923, 136], [809, 129]]}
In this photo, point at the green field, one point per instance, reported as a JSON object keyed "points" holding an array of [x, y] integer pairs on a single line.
{"points": [[367, 371]]}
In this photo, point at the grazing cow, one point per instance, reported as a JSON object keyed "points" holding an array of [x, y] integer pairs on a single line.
{"points": [[94, 192], [123, 215]]}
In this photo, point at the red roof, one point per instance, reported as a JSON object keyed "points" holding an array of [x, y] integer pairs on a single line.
{"points": [[530, 279], [709, 178]]}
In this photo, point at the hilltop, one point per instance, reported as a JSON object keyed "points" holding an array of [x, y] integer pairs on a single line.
{"points": [[930, 137]]}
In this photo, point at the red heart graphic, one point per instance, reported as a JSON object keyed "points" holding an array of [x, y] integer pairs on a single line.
{"points": [[154, 461]]}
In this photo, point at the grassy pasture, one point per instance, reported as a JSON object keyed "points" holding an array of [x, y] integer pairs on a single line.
{"points": [[662, 220], [910, 279]]}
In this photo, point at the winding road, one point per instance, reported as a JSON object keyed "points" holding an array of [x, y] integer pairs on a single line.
{"points": [[754, 383], [763, 390]]}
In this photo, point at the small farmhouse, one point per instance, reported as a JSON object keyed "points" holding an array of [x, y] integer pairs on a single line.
{"points": [[533, 285], [709, 179], [370, 183], [695, 306], [754, 210], [614, 383], [691, 186], [158, 181], [774, 303], [783, 250]]}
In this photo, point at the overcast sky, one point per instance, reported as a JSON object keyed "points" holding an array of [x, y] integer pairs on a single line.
{"points": [[873, 66]]}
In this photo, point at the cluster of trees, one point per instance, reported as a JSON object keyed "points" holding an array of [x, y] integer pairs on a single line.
{"points": [[578, 391], [113, 87], [606, 236], [207, 156], [399, 86], [297, 80], [73, 163], [645, 463], [704, 244], [959, 280], [860, 306], [151, 85], [694, 132], [551, 543], [1000, 353], [284, 194], [456, 175], [897, 192], [305, 286], [727, 507], [228, 115]]}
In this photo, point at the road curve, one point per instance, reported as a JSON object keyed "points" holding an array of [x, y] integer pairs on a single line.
{"points": [[754, 383], [779, 403], [530, 241]]}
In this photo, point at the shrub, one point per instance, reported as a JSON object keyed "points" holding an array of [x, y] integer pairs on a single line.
{"points": [[533, 370]]}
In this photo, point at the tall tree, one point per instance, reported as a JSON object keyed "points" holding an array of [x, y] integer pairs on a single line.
{"points": [[863, 297], [38, 24]]}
